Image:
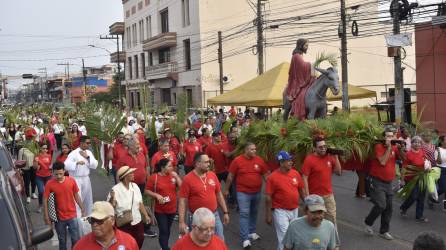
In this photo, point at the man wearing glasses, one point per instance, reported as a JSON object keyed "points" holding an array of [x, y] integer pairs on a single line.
{"points": [[202, 234], [316, 174], [104, 235], [66, 194], [78, 164]]}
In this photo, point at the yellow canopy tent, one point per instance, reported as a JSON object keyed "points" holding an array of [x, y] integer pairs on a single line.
{"points": [[266, 91]]}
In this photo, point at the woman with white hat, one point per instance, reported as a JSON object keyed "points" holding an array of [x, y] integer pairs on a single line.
{"points": [[127, 200]]}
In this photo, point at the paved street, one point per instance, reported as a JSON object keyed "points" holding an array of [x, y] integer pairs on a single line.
{"points": [[350, 214]]}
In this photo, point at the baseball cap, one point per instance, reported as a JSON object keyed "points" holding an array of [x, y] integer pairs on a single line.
{"points": [[283, 156], [315, 203], [102, 210]]}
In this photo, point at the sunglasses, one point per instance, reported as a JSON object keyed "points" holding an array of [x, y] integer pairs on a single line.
{"points": [[93, 221]]}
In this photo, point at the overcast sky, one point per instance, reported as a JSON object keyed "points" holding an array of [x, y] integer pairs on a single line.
{"points": [[52, 31]]}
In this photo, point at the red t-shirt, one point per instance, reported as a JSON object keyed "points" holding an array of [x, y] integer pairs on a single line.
{"points": [[61, 158], [205, 141], [415, 159], [200, 192], [186, 243], [139, 163], [118, 151], [165, 186], [224, 137], [215, 151], [249, 173], [284, 189], [44, 161], [174, 145], [387, 172], [160, 155], [64, 196], [123, 241], [228, 148], [190, 149], [319, 170]]}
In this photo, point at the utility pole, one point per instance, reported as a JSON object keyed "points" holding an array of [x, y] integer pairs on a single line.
{"points": [[399, 85], [344, 61], [84, 73], [260, 36], [220, 60], [116, 37], [67, 69]]}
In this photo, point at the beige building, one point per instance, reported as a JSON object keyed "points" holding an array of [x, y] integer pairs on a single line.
{"points": [[172, 46]]}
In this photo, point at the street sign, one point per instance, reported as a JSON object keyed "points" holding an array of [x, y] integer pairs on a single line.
{"points": [[399, 40]]}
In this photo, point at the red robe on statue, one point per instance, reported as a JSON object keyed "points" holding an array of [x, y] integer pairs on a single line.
{"points": [[299, 81]]}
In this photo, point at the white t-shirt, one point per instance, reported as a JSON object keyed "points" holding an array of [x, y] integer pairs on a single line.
{"points": [[443, 157], [123, 198]]}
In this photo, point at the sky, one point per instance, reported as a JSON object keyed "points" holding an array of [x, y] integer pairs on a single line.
{"points": [[43, 33]]}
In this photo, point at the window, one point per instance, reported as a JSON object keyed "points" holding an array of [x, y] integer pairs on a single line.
{"points": [[133, 10], [187, 59], [164, 20], [164, 55], [147, 2], [136, 67], [149, 26], [150, 59], [128, 37], [134, 35], [185, 11], [141, 30], [143, 64], [140, 4], [130, 68], [127, 14]]}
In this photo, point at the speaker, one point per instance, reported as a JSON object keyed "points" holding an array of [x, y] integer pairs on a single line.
{"points": [[407, 105]]}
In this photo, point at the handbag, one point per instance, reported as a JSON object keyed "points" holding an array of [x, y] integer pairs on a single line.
{"points": [[126, 217]]}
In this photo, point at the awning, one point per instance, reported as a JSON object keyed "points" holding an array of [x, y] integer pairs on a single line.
{"points": [[266, 91]]}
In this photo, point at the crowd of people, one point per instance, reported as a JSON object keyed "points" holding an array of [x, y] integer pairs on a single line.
{"points": [[199, 179]]}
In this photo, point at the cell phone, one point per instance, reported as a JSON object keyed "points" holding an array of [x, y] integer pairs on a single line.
{"points": [[166, 199]]}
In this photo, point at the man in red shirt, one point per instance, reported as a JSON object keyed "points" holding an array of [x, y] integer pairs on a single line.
{"points": [[215, 151], [201, 188], [248, 170], [282, 196], [206, 139], [135, 158], [190, 148], [202, 235], [316, 171], [104, 235], [164, 152], [117, 149], [382, 173], [174, 144], [66, 193]]}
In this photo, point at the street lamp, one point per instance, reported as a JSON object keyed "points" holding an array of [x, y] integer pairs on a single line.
{"points": [[119, 70]]}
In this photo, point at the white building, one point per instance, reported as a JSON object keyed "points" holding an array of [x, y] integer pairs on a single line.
{"points": [[171, 45]]}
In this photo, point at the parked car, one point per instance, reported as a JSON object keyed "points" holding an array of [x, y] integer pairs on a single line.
{"points": [[16, 230]]}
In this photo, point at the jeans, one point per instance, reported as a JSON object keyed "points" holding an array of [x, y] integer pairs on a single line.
{"points": [[164, 224], [232, 194], [218, 225], [29, 177], [442, 183], [418, 196], [40, 182], [282, 219], [381, 194], [61, 229], [248, 204]]}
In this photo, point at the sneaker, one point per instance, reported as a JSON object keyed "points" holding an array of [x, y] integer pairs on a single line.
{"points": [[386, 236], [368, 230], [150, 233], [422, 219], [254, 236], [28, 199], [246, 244], [34, 196], [403, 213]]}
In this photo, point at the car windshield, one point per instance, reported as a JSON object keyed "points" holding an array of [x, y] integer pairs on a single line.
{"points": [[8, 235]]}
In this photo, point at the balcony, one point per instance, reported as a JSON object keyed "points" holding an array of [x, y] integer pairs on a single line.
{"points": [[163, 40], [117, 28], [114, 57], [164, 70]]}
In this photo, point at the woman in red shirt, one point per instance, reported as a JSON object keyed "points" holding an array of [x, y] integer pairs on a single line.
{"points": [[42, 164], [415, 157], [75, 136], [190, 148], [162, 186], [63, 155]]}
